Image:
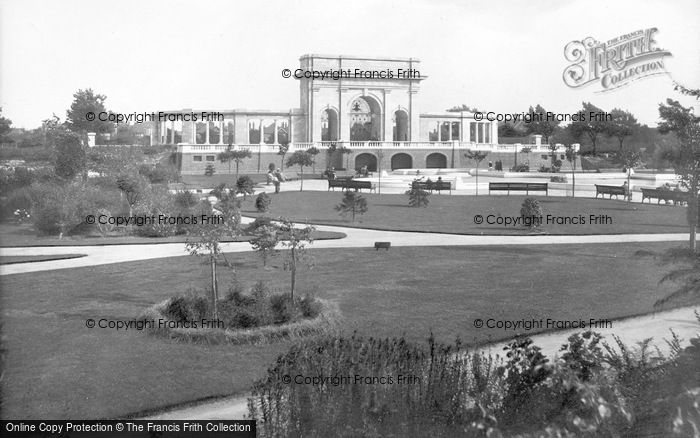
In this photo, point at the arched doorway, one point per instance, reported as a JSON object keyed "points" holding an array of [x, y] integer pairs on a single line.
{"points": [[368, 160], [365, 119], [436, 161], [400, 125], [401, 161], [329, 125]]}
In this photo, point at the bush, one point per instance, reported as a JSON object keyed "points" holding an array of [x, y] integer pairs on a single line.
{"points": [[417, 197], [558, 179], [187, 308], [210, 170], [309, 306], [282, 308], [262, 202], [18, 200], [245, 186], [520, 168], [60, 209], [156, 201], [531, 208]]}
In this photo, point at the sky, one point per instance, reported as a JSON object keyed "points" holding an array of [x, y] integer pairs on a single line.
{"points": [[160, 55]]}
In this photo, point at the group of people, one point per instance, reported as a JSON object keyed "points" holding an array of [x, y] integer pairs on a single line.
{"points": [[275, 177]]}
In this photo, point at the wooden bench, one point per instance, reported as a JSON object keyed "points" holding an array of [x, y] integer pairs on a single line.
{"points": [[432, 185], [611, 190], [382, 245], [674, 196], [518, 187], [350, 184]]}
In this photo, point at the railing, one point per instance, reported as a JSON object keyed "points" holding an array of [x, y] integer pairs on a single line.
{"points": [[323, 145]]}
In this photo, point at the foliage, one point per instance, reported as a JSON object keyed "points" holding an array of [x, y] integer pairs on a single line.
{"points": [[133, 187], [531, 208], [234, 155], [417, 197], [245, 186], [191, 307], [301, 159], [210, 170], [85, 101], [622, 125], [5, 125], [265, 239], [160, 173], [521, 167], [541, 125], [70, 157], [154, 202], [352, 203], [478, 157], [296, 240], [558, 179], [591, 128], [262, 202], [60, 209]]}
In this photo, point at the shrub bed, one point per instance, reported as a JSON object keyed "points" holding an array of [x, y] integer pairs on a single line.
{"points": [[255, 318]]}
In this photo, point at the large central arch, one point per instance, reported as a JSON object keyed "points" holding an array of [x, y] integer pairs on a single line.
{"points": [[329, 125], [401, 161], [400, 125], [365, 118], [436, 160]]}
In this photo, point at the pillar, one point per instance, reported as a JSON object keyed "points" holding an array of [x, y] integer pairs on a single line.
{"points": [[206, 137], [194, 132], [172, 132], [274, 126]]}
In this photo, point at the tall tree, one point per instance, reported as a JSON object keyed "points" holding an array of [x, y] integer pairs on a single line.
{"points": [[622, 125], [5, 126], [571, 154], [296, 240], [70, 157], [590, 127], [238, 156], [478, 157], [264, 241], [313, 151], [301, 159], [83, 115], [686, 160], [132, 186], [463, 107], [541, 126]]}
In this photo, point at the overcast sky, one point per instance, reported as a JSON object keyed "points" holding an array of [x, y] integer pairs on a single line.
{"points": [[151, 55]]}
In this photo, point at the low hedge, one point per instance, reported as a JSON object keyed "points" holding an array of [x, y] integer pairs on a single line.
{"points": [[326, 322]]}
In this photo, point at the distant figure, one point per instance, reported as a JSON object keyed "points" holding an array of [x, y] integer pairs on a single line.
{"points": [[280, 176], [490, 165], [363, 170], [626, 188], [270, 177], [276, 182]]}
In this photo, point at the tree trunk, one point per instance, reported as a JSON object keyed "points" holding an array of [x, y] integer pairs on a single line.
{"points": [[236, 170], [215, 292], [301, 185], [294, 272], [573, 179], [477, 179], [629, 188]]}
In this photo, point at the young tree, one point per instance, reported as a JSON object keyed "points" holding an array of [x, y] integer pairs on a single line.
{"points": [[282, 151], [417, 197], [225, 157], [590, 127], [238, 157], [296, 239], [132, 187], [571, 154], [332, 147], [345, 151], [543, 127], [245, 186], [83, 115], [478, 157], [380, 158], [5, 126], [553, 155], [622, 125], [686, 161], [301, 159], [313, 151], [629, 159], [206, 242], [264, 241], [70, 157], [353, 203]]}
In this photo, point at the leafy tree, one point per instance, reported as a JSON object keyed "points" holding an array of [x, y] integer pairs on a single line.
{"points": [[313, 151], [553, 155], [245, 186], [60, 208], [206, 242], [234, 155], [282, 150], [531, 208], [463, 107], [70, 157], [84, 102], [353, 203], [132, 187], [571, 155], [5, 126], [686, 160], [417, 197], [264, 241], [296, 239], [262, 202], [629, 159], [543, 127], [478, 157], [301, 159], [622, 125], [588, 127]]}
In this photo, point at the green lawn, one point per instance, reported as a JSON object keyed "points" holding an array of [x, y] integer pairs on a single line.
{"points": [[8, 260], [13, 235], [58, 368], [455, 214]]}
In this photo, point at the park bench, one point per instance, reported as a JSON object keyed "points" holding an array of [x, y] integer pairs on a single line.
{"points": [[338, 182], [674, 196], [359, 185], [382, 245], [518, 187], [432, 185], [611, 190]]}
